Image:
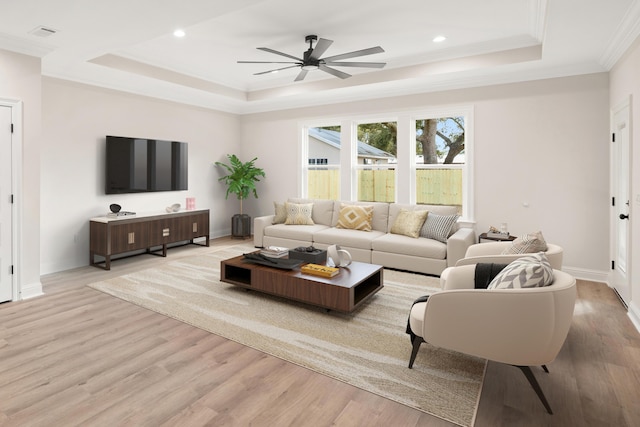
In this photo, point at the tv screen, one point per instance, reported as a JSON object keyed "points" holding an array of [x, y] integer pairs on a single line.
{"points": [[137, 165]]}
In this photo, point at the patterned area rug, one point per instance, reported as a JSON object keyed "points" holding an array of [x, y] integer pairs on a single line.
{"points": [[367, 348]]}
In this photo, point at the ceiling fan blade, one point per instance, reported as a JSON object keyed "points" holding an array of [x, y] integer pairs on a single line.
{"points": [[357, 64], [277, 69], [362, 52], [301, 76], [266, 49], [334, 72], [267, 62], [321, 47]]}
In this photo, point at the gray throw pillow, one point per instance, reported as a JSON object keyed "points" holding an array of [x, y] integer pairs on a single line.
{"points": [[529, 271], [438, 227]]}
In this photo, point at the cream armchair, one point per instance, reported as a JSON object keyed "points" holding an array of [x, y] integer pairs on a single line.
{"points": [[520, 327], [491, 252]]}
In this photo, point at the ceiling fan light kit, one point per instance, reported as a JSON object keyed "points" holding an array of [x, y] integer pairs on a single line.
{"points": [[312, 59]]}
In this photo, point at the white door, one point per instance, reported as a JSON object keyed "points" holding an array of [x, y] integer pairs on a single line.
{"points": [[620, 212], [6, 242]]}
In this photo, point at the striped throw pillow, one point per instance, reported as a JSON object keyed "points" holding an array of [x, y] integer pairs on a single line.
{"points": [[438, 227], [355, 217]]}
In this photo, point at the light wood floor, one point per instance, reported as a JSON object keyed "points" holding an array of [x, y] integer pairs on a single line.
{"points": [[77, 356]]}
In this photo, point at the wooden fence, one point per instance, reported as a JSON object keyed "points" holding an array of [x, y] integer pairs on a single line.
{"points": [[433, 186]]}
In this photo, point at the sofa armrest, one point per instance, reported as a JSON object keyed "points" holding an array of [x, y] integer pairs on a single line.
{"points": [[458, 243], [259, 224]]}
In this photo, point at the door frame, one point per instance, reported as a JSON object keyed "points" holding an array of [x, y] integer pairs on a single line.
{"points": [[613, 219], [16, 189]]}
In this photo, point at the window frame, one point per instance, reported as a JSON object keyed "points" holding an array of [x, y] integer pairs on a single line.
{"points": [[405, 167]]}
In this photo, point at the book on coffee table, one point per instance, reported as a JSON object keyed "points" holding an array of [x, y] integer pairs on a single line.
{"points": [[319, 270]]}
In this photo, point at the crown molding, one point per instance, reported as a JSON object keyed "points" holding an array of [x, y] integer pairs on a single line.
{"points": [[26, 47], [538, 19], [628, 32]]}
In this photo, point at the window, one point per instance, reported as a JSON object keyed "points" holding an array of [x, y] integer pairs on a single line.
{"points": [[323, 163], [376, 153], [440, 161]]}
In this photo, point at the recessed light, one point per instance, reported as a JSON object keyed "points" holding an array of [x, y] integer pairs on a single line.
{"points": [[439, 39], [179, 33]]}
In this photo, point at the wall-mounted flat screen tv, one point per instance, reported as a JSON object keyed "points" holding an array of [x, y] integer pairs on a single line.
{"points": [[137, 165]]}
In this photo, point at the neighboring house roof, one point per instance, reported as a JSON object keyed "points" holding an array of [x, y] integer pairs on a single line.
{"points": [[332, 138]]}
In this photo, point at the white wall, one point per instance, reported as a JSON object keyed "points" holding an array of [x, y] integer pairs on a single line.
{"points": [[20, 81], [624, 83], [551, 139], [76, 119]]}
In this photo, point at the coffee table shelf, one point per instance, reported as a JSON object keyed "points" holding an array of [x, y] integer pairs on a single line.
{"points": [[343, 292]]}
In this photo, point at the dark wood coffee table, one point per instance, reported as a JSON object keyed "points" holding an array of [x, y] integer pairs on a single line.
{"points": [[343, 292]]}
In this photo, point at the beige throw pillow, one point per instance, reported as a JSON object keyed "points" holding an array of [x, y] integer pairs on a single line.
{"points": [[355, 217], [281, 213], [409, 223], [528, 243], [299, 214]]}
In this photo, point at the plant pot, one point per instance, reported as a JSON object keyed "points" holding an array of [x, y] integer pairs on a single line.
{"points": [[241, 225]]}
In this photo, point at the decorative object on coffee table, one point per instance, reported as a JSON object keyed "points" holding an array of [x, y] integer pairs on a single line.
{"points": [[241, 181], [338, 257]]}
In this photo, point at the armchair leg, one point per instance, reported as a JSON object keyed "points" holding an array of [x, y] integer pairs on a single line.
{"points": [[414, 352], [526, 370], [545, 368]]}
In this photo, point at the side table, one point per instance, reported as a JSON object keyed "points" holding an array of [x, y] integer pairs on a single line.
{"points": [[485, 236]]}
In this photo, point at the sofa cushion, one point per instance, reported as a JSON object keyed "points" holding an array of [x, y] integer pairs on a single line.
{"points": [[527, 243], [299, 214], [403, 245], [347, 238], [281, 213], [438, 227], [409, 223], [355, 217], [322, 209], [529, 271]]}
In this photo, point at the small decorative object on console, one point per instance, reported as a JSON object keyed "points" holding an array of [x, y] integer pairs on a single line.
{"points": [[173, 208], [191, 203], [319, 270]]}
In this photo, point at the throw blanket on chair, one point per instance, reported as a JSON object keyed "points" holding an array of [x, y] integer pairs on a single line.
{"points": [[484, 274]]}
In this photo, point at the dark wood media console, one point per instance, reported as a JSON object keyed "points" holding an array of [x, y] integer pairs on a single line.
{"points": [[113, 236]]}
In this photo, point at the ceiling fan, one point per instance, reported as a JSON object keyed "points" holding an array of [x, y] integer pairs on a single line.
{"points": [[311, 59]]}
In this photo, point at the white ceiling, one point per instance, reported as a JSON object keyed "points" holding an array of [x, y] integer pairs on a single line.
{"points": [[129, 45]]}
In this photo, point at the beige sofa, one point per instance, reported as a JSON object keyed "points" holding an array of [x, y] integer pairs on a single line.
{"points": [[378, 246]]}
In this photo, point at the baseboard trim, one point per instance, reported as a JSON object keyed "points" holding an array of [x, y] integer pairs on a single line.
{"points": [[591, 275], [634, 314], [31, 290]]}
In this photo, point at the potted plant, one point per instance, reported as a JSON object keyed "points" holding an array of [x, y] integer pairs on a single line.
{"points": [[241, 180]]}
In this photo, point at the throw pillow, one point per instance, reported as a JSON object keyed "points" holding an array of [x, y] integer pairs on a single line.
{"points": [[281, 213], [299, 214], [355, 217], [529, 271], [408, 223], [528, 243], [438, 227]]}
